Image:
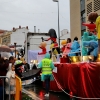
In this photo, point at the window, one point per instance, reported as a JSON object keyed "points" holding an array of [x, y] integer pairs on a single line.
{"points": [[82, 5], [89, 8], [96, 5]]}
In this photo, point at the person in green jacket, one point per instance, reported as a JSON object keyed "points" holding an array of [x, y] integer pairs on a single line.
{"points": [[46, 66]]}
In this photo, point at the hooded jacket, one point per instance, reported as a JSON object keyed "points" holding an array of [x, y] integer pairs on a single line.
{"points": [[44, 76]]}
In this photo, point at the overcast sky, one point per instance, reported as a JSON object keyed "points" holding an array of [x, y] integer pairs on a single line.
{"points": [[40, 13]]}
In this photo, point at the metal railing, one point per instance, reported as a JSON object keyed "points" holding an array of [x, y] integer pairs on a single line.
{"points": [[3, 85]]}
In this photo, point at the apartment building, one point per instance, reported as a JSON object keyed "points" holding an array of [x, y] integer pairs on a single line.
{"points": [[79, 11], [5, 37]]}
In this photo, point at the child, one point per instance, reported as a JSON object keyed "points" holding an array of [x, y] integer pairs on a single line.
{"points": [[67, 47], [11, 75]]}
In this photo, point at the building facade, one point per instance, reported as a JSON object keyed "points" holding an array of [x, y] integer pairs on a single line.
{"points": [[5, 37], [75, 22], [34, 40], [92, 6], [79, 11], [18, 36]]}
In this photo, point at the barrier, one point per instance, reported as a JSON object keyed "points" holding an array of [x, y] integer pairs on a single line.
{"points": [[3, 80], [18, 95]]}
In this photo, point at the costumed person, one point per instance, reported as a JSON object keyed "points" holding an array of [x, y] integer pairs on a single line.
{"points": [[18, 68], [75, 47], [43, 47], [12, 81], [54, 45], [93, 17], [85, 40], [92, 48], [46, 66], [63, 43], [67, 47]]}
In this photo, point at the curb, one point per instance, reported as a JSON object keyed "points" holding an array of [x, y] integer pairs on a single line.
{"points": [[31, 94]]}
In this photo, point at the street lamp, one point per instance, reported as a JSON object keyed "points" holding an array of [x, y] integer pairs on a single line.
{"points": [[15, 49], [58, 23]]}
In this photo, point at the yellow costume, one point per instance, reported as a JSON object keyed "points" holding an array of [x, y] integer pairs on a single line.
{"points": [[55, 52], [98, 26]]}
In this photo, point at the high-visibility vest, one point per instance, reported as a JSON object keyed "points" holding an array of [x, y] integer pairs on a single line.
{"points": [[46, 68]]}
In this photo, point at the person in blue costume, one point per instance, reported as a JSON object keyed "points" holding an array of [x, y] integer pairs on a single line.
{"points": [[75, 47], [92, 44], [46, 66], [95, 53], [86, 39], [92, 48]]}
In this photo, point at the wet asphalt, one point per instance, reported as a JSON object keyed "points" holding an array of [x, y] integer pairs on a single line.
{"points": [[38, 92]]}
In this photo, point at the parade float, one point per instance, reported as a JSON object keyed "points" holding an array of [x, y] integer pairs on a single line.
{"points": [[81, 74], [78, 71]]}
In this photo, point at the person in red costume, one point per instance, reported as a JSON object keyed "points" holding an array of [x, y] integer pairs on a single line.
{"points": [[43, 47]]}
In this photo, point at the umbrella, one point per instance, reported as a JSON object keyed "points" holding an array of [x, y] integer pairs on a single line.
{"points": [[4, 48]]}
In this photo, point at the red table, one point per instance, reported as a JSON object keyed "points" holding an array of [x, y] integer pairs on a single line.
{"points": [[83, 79]]}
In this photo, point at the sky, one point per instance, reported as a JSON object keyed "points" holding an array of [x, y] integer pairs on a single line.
{"points": [[40, 13]]}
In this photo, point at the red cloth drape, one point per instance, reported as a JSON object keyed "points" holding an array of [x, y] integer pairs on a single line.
{"points": [[83, 79]]}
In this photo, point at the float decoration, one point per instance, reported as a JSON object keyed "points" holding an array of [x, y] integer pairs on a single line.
{"points": [[54, 45], [43, 47], [91, 26], [93, 17], [63, 43]]}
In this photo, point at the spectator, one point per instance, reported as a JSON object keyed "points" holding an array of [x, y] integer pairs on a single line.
{"points": [[26, 66], [11, 75], [11, 60], [3, 70], [18, 68]]}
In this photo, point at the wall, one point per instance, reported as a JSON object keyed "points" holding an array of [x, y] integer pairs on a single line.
{"points": [[92, 6], [5, 38], [75, 22], [35, 41], [18, 36]]}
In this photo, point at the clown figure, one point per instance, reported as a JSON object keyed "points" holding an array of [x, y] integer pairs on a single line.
{"points": [[43, 47], [54, 45]]}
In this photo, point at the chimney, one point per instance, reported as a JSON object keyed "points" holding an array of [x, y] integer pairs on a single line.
{"points": [[26, 27], [34, 29], [13, 28], [38, 30], [19, 27]]}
